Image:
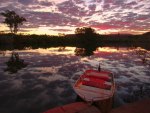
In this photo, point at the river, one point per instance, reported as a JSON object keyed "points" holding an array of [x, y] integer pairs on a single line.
{"points": [[47, 80]]}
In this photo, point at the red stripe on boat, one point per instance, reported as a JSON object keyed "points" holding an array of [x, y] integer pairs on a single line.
{"points": [[106, 78], [102, 72], [99, 83]]}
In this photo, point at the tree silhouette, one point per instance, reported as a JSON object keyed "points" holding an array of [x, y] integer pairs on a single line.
{"points": [[12, 20], [85, 30], [87, 40]]}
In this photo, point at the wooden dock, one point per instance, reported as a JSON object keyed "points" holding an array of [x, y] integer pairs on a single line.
{"points": [[142, 106], [78, 107]]}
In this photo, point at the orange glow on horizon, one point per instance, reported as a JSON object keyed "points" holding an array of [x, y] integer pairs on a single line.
{"points": [[46, 31]]}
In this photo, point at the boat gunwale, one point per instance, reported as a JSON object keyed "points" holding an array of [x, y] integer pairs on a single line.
{"points": [[97, 98]]}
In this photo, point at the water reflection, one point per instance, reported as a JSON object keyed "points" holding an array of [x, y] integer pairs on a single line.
{"points": [[50, 74], [143, 54], [15, 63], [85, 51]]}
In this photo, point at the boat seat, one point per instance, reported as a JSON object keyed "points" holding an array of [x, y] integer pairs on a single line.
{"points": [[99, 83], [105, 78]]}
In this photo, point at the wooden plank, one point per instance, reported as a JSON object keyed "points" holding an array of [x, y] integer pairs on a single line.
{"points": [[142, 106], [91, 109], [55, 110], [78, 107], [105, 106], [90, 96], [96, 90], [75, 107]]}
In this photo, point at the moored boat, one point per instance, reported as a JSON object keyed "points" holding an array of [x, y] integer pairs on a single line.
{"points": [[95, 85]]}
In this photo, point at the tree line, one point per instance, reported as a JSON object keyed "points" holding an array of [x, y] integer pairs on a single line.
{"points": [[84, 37]]}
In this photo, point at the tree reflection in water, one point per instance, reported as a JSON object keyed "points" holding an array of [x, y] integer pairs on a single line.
{"points": [[87, 40], [143, 54], [84, 51]]}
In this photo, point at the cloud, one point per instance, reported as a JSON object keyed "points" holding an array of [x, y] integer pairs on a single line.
{"points": [[92, 7], [27, 2], [105, 26], [118, 2], [50, 19], [61, 30], [70, 8], [143, 17], [100, 14], [45, 3], [79, 1]]}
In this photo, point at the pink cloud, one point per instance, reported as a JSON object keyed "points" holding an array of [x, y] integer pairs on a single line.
{"points": [[110, 14], [104, 27]]}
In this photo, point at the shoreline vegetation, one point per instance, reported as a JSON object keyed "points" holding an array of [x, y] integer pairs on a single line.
{"points": [[83, 37], [18, 41]]}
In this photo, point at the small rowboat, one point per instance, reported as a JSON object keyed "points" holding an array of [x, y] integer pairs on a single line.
{"points": [[95, 85]]}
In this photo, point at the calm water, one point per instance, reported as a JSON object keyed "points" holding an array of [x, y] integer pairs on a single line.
{"points": [[47, 80]]}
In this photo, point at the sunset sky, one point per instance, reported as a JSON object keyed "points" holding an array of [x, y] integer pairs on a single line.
{"points": [[64, 16]]}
